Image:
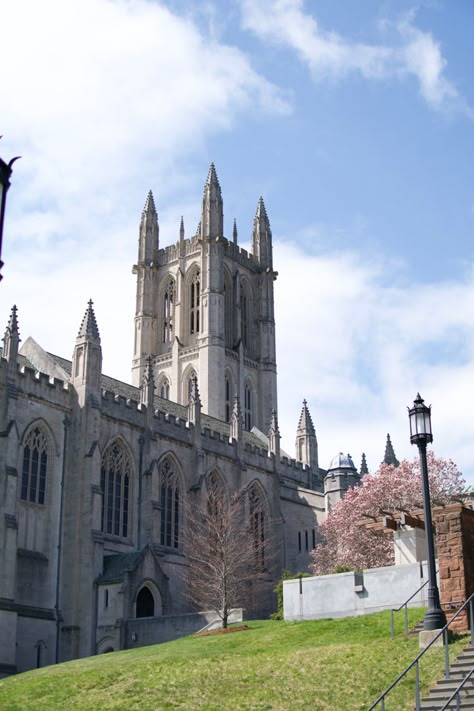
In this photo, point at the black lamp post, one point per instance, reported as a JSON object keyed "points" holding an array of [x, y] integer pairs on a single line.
{"points": [[5, 173], [421, 435]]}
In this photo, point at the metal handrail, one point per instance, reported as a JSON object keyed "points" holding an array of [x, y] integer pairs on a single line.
{"points": [[405, 605], [456, 693], [415, 662]]}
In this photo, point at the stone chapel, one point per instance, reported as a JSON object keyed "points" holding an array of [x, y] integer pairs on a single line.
{"points": [[95, 473]]}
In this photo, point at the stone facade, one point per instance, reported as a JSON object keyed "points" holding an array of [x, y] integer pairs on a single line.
{"points": [[95, 473]]}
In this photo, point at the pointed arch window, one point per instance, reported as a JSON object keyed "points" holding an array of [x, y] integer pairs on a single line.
{"points": [[244, 316], [168, 311], [195, 303], [248, 404], [257, 524], [115, 477], [164, 389], [35, 465], [228, 313], [169, 504]]}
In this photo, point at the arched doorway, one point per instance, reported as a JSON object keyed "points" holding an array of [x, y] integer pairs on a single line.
{"points": [[145, 603]]}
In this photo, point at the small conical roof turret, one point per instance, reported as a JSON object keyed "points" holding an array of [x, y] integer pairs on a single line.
{"points": [[11, 339], [149, 231], [262, 236], [89, 328], [306, 442], [363, 465], [390, 457], [212, 225]]}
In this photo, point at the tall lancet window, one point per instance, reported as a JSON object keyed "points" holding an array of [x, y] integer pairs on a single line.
{"points": [[257, 524], [164, 389], [244, 316], [248, 423], [228, 398], [195, 303], [115, 478], [35, 463], [168, 311], [169, 504], [228, 313]]}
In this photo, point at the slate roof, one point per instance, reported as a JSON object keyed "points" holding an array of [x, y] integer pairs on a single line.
{"points": [[117, 564]]}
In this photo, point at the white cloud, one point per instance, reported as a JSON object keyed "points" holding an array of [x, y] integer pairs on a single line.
{"points": [[359, 348], [328, 54]]}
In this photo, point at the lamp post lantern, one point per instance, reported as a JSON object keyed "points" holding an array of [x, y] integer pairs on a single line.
{"points": [[5, 173], [421, 435]]}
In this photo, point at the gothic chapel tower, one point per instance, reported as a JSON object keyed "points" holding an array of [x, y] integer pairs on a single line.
{"points": [[205, 308]]}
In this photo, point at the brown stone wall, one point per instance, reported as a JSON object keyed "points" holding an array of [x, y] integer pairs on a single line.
{"points": [[455, 548]]}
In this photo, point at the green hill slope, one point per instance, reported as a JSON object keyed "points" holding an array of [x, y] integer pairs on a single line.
{"points": [[325, 664]]}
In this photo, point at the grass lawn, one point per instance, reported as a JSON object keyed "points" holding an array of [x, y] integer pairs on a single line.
{"points": [[324, 664]]}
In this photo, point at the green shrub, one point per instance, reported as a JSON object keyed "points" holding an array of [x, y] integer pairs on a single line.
{"points": [[286, 575]]}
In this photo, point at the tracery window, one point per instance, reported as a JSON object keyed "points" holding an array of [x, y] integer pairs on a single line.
{"points": [[228, 313], [35, 463], [165, 389], [248, 408], [168, 311], [115, 475], [195, 303], [257, 524], [169, 504]]}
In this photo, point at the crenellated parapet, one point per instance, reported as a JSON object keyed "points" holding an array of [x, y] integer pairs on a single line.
{"points": [[41, 386]]}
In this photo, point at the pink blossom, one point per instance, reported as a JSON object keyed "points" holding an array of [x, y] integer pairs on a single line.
{"points": [[389, 489]]}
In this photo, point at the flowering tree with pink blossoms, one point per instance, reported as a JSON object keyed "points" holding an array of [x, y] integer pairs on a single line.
{"points": [[345, 543]]}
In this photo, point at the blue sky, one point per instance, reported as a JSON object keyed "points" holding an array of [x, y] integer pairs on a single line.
{"points": [[353, 120]]}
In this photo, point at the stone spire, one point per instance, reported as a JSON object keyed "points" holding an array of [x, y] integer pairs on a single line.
{"points": [[194, 404], [274, 435], [149, 232], [212, 225], [306, 442], [236, 420], [147, 388], [87, 358], [11, 339], [89, 327], [181, 229], [234, 232], [363, 466], [262, 237], [390, 457]]}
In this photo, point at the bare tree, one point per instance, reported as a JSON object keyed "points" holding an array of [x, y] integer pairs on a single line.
{"points": [[227, 550]]}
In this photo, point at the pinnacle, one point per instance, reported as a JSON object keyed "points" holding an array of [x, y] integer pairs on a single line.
{"points": [[13, 321], [274, 429], [234, 232], [149, 203], [261, 209], [390, 457], [194, 391], [89, 327], [305, 421], [212, 178], [181, 228], [363, 465]]}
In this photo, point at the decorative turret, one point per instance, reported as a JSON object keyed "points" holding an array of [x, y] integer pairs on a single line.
{"points": [[363, 466], [194, 404], [274, 436], [149, 232], [306, 442], [390, 457], [11, 339], [341, 475], [87, 357], [262, 237], [147, 387], [212, 226]]}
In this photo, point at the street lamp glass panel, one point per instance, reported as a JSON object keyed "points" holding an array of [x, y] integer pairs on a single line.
{"points": [[420, 422]]}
